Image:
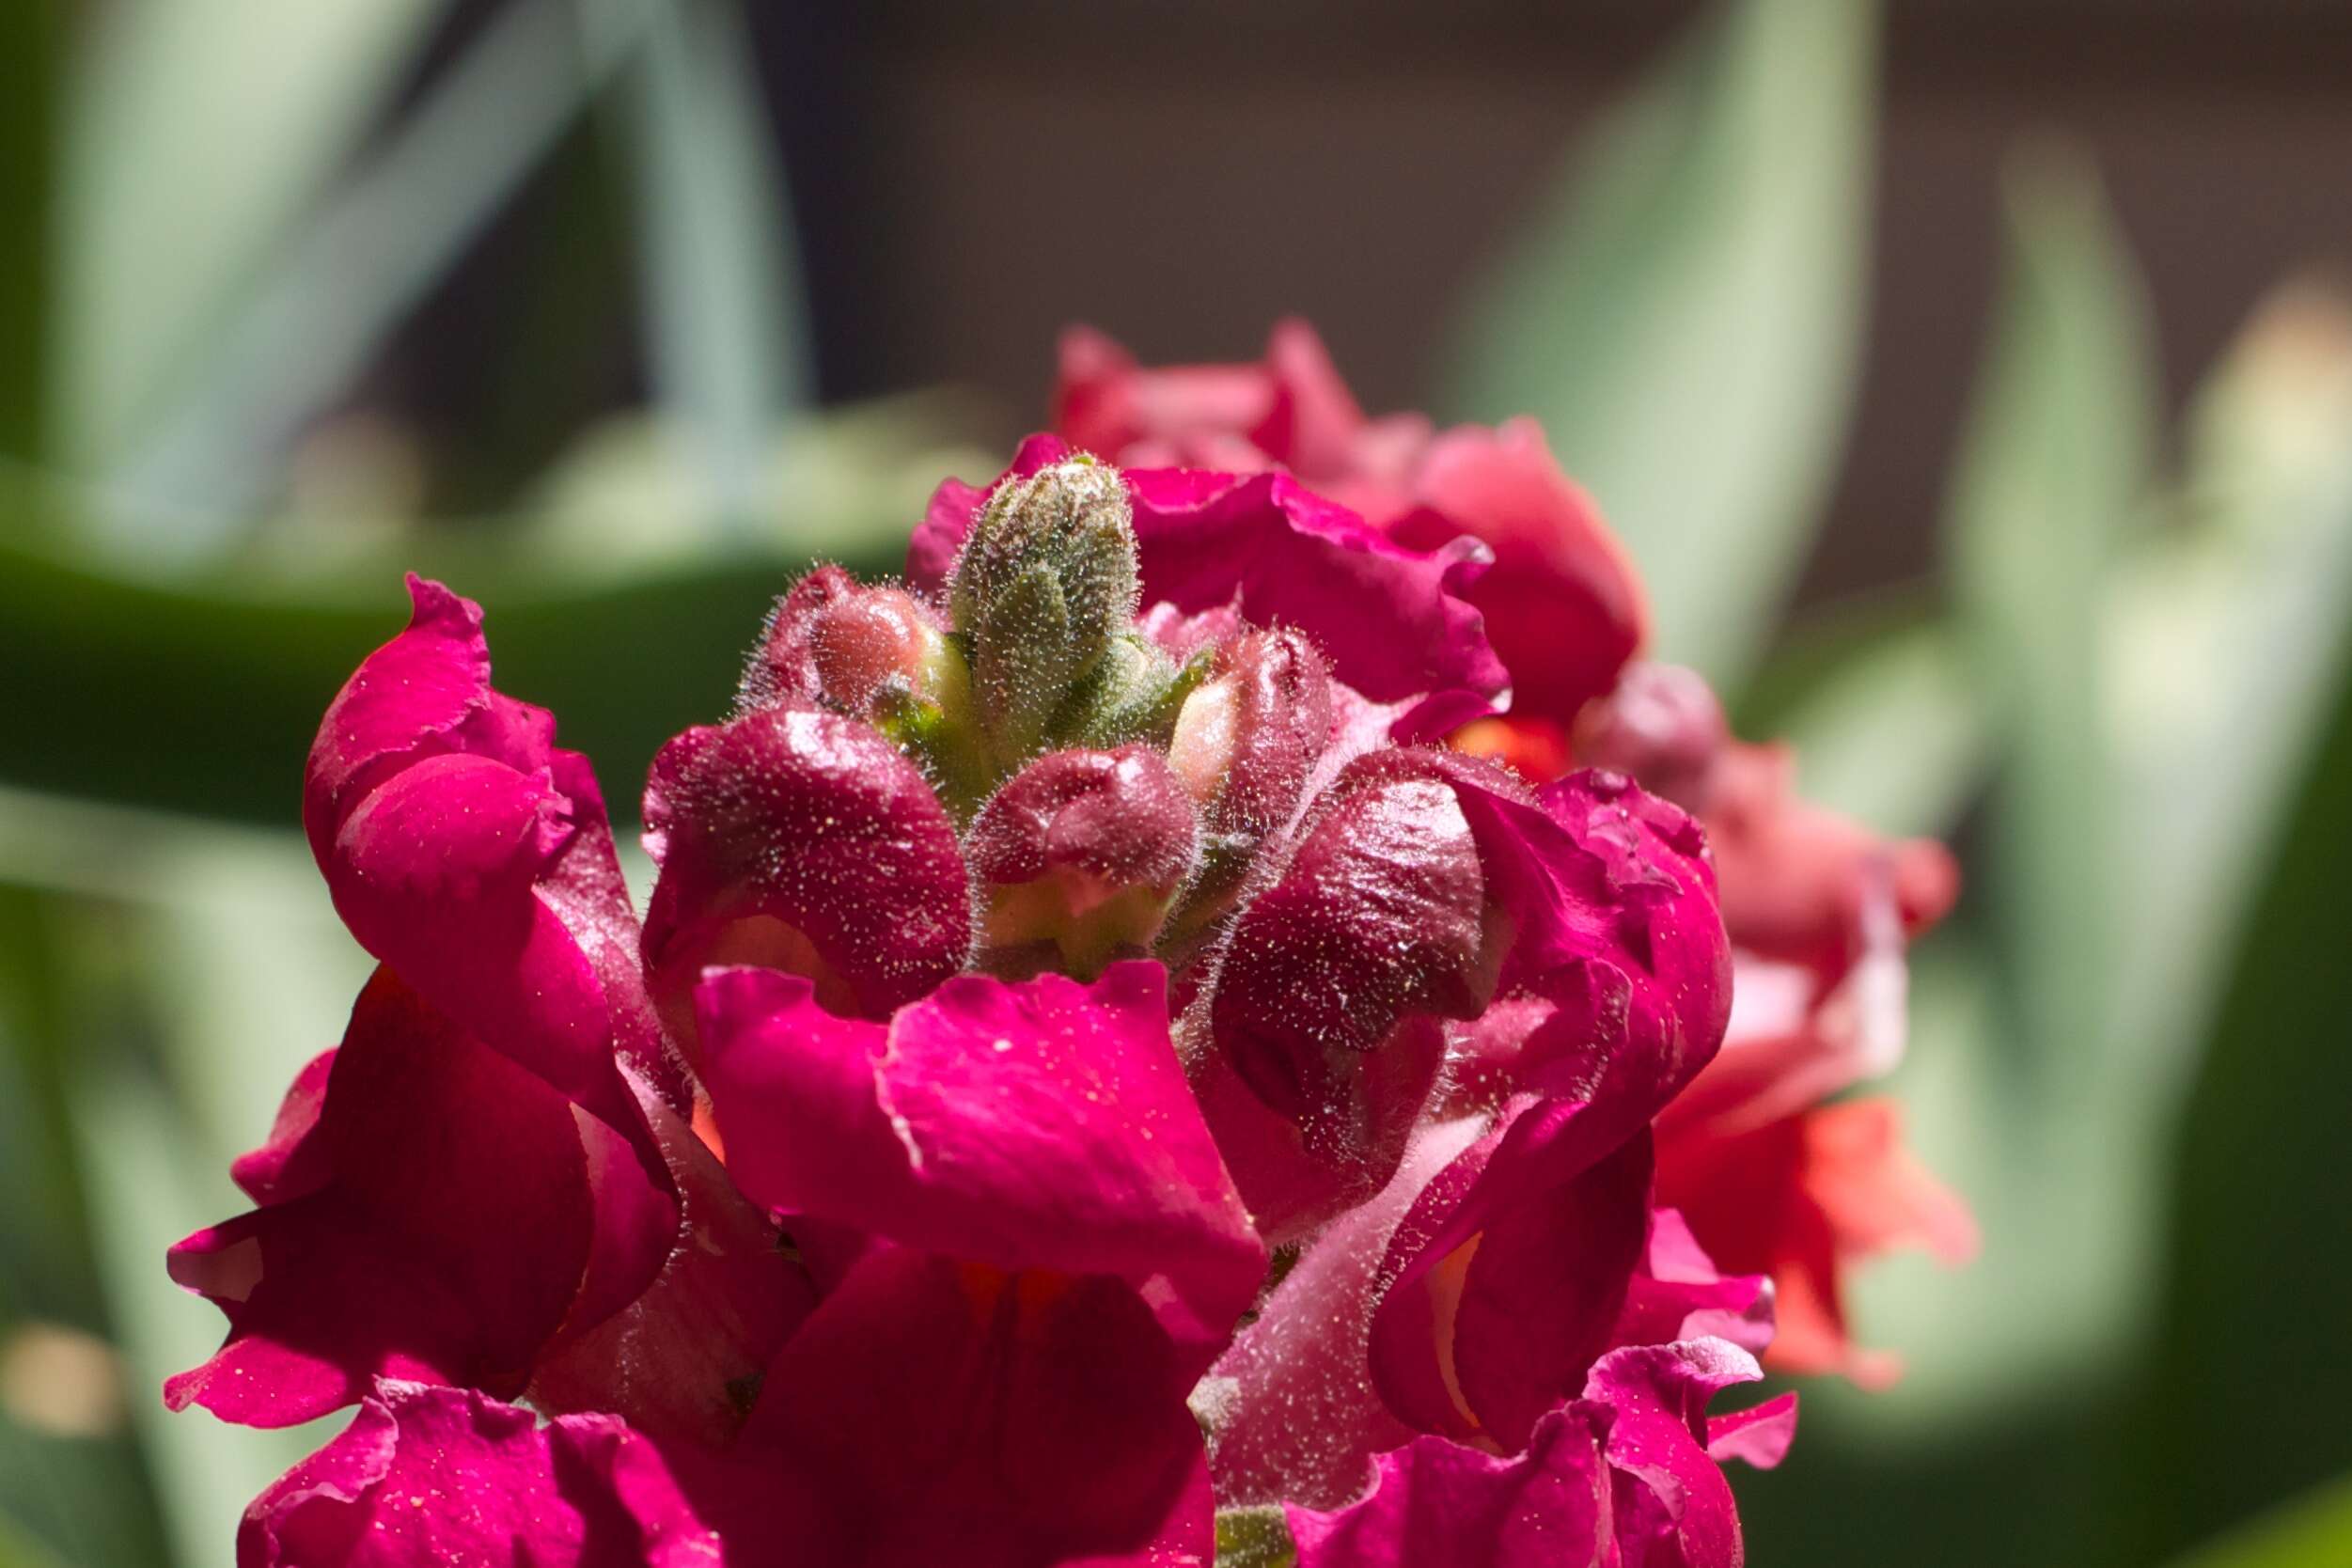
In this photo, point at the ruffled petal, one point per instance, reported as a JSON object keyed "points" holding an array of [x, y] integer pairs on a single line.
{"points": [[1674, 1504], [1105, 404], [446, 1475], [295, 1159], [1678, 1293], [460, 1214], [467, 852], [1436, 1500], [1563, 602], [1040, 1125]]}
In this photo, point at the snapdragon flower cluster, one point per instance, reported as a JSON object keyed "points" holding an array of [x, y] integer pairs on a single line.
{"points": [[1135, 1055]]}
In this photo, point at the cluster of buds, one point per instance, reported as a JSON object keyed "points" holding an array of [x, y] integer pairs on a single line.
{"points": [[1106, 1074]]}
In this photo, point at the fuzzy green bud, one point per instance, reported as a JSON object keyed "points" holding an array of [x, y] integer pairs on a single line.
{"points": [[1044, 586]]}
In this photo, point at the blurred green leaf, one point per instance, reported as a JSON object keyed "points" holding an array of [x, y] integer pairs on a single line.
{"points": [[201, 692], [1684, 318], [2314, 1530], [1890, 732], [194, 967], [721, 282], [17, 1549], [2228, 634], [356, 266], [2253, 1383], [2053, 466], [30, 66], [197, 134], [70, 1478]]}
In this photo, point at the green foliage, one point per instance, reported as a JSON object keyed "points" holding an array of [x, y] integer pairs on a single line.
{"points": [[186, 121], [1684, 316], [2314, 1530]]}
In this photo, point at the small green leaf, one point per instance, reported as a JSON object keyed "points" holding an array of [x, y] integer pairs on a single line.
{"points": [[1684, 316], [1254, 1538]]}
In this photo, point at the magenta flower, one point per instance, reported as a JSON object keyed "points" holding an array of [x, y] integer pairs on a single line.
{"points": [[1092, 1082], [1775, 1180]]}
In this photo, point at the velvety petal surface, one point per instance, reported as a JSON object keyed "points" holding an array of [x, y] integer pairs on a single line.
{"points": [[1440, 1501], [431, 1475], [955, 1412], [801, 840], [458, 1215], [469, 854], [1039, 1126]]}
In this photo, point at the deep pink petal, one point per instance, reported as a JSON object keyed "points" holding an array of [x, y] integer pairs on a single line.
{"points": [[1438, 1501], [1678, 1293], [952, 1412], [1615, 924], [449, 1476], [1563, 604], [685, 1359], [801, 840], [1294, 1412], [294, 1161], [468, 852], [1040, 1125], [470, 1216], [424, 693], [1680, 1506], [1759, 1436], [1511, 1271]]}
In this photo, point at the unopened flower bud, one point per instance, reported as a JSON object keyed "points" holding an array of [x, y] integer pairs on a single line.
{"points": [[1078, 855], [833, 640], [1663, 727], [803, 841], [879, 654], [1244, 743], [1336, 977], [1044, 586]]}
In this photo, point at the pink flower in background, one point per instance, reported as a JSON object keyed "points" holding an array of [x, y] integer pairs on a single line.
{"points": [[1097, 1071]]}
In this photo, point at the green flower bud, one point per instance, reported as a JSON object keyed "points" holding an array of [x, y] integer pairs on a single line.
{"points": [[1045, 585]]}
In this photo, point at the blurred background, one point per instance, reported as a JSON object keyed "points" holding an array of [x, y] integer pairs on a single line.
{"points": [[1973, 381]]}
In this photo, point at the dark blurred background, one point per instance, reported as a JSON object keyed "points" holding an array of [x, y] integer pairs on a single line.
{"points": [[1972, 379], [967, 180]]}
